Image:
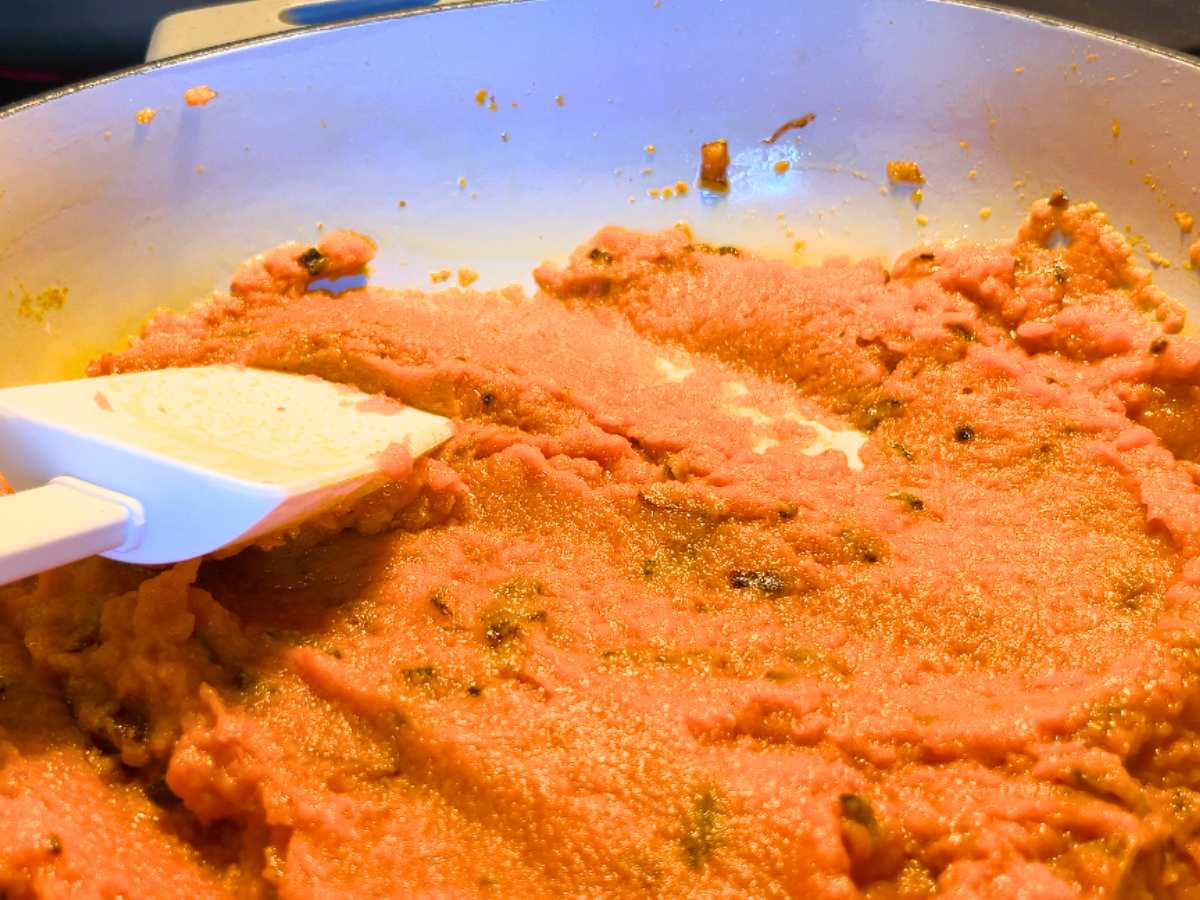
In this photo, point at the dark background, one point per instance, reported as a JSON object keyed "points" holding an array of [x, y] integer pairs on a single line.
{"points": [[45, 43]]}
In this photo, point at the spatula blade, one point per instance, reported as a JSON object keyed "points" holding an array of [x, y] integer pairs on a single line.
{"points": [[216, 455]]}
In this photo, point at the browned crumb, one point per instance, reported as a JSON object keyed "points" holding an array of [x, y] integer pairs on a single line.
{"points": [[462, 181], [1019, 69], [402, 203], [481, 96], [1158, 259], [199, 170], [492, 107], [1092, 57], [973, 174], [108, 135], [782, 166], [985, 212], [1194, 254], [798, 246], [514, 104], [650, 148], [653, 192], [904, 170], [964, 144], [1058, 199], [667, 193], [917, 196], [1185, 221], [145, 115], [1116, 127], [788, 126], [922, 220], [1149, 181], [681, 188], [560, 100], [714, 165], [467, 277], [504, 136], [648, 170], [199, 95], [439, 276]]}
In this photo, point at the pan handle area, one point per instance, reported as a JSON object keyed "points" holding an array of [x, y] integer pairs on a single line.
{"points": [[210, 26]]}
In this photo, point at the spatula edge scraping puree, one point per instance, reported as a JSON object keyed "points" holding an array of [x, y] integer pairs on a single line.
{"points": [[737, 580]]}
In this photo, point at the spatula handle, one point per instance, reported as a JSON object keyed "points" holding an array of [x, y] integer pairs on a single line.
{"points": [[61, 522]]}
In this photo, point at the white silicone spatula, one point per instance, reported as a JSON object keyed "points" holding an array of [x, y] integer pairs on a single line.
{"points": [[162, 466]]}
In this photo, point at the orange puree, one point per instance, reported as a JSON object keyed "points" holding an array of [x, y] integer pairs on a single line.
{"points": [[636, 631]]}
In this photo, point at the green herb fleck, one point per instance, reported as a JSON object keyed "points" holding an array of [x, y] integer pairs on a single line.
{"points": [[862, 545], [877, 413], [858, 809], [420, 675], [437, 600], [702, 829], [500, 631], [915, 503], [766, 582]]}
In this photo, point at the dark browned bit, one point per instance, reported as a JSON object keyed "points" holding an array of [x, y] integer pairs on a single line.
{"points": [[313, 260], [714, 165], [788, 126]]}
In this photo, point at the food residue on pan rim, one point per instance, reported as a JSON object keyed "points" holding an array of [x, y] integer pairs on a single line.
{"points": [[199, 95]]}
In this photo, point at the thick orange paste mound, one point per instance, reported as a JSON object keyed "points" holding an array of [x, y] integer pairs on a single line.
{"points": [[630, 633]]}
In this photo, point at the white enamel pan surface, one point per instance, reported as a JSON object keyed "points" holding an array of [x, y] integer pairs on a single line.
{"points": [[338, 125]]}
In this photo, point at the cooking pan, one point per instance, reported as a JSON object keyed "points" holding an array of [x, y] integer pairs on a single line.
{"points": [[335, 125]]}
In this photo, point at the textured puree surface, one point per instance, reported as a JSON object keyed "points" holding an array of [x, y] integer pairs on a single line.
{"points": [[636, 630]]}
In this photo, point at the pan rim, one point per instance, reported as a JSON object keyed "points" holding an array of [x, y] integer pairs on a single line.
{"points": [[47, 97]]}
